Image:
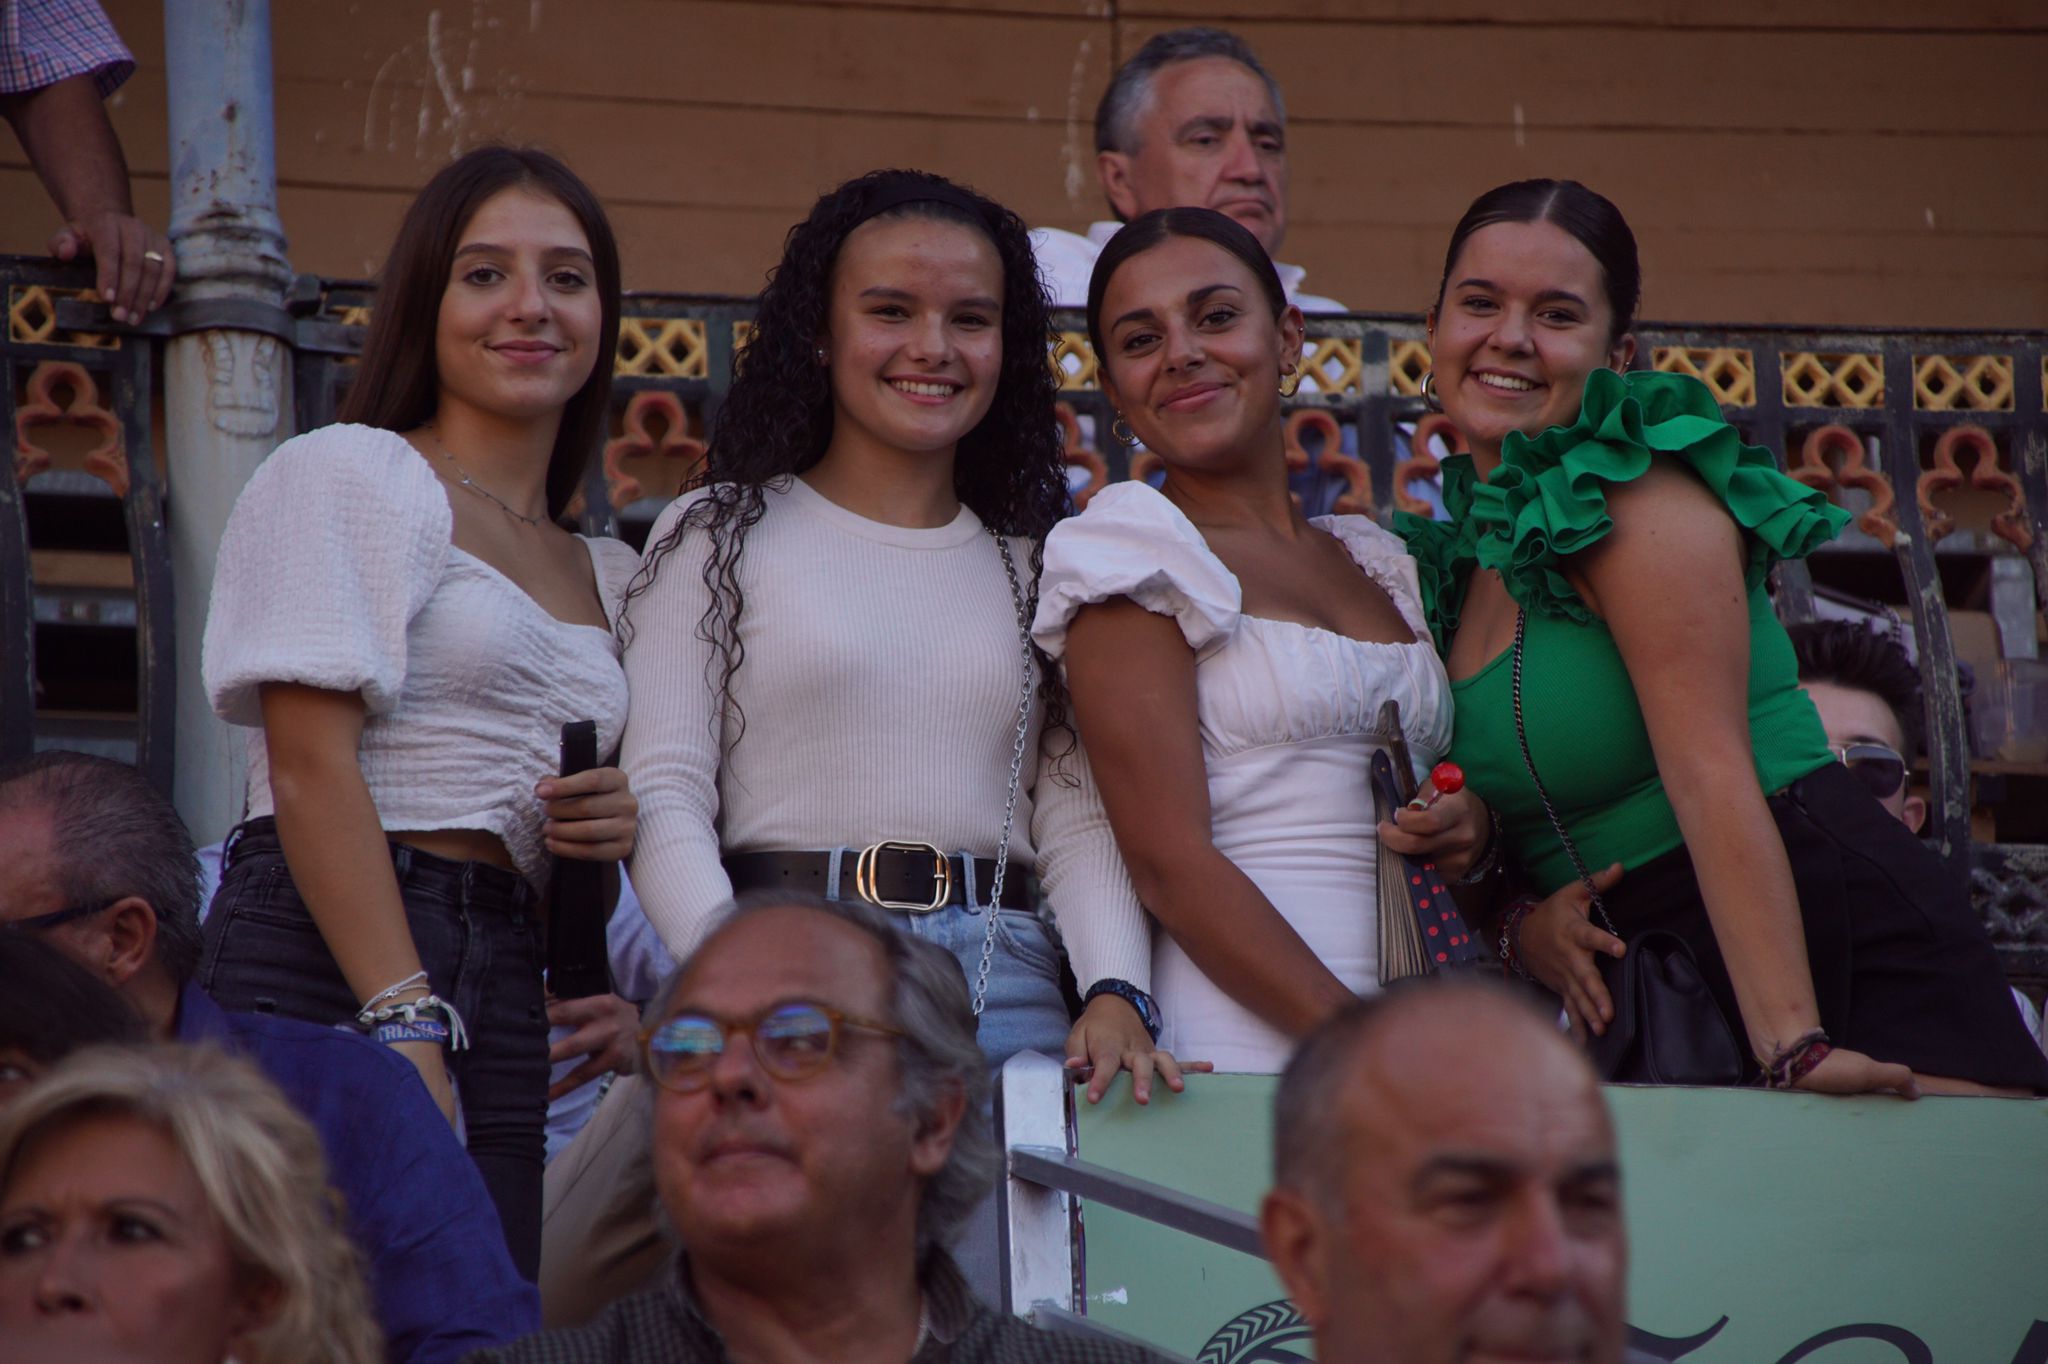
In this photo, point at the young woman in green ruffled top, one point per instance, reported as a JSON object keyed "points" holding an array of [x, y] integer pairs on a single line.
{"points": [[1630, 528]]}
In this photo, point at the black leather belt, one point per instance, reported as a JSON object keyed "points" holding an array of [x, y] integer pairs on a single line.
{"points": [[917, 878]]}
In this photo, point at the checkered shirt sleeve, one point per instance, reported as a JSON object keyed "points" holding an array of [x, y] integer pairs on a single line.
{"points": [[46, 41]]}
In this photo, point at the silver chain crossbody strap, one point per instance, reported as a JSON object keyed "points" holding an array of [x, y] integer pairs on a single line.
{"points": [[995, 892], [1598, 906]]}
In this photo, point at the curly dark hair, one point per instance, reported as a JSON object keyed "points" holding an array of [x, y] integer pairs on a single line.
{"points": [[1010, 470]]}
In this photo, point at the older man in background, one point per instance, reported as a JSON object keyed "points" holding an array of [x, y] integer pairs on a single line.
{"points": [[817, 1133], [1191, 120], [1446, 1186]]}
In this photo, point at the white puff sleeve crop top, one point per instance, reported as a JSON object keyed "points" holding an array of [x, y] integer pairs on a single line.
{"points": [[337, 571]]}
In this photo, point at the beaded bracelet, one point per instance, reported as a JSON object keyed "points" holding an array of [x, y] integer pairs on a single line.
{"points": [[390, 992], [1511, 933], [411, 1013], [1795, 1060]]}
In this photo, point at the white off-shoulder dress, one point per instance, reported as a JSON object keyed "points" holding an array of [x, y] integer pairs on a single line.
{"points": [[1289, 716]]}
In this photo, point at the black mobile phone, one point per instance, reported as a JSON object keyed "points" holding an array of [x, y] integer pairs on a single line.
{"points": [[579, 960]]}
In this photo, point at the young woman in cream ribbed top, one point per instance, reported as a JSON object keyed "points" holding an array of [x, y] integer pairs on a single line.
{"points": [[826, 645]]}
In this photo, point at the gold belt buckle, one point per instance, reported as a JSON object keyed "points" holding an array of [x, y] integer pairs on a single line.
{"points": [[942, 876]]}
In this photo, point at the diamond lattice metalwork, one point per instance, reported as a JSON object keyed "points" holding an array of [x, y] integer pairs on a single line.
{"points": [[1335, 364], [1073, 361], [673, 346], [1407, 364], [1962, 383], [1728, 371], [1817, 379], [32, 319]]}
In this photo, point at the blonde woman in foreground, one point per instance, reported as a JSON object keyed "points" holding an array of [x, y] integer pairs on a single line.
{"points": [[166, 1204]]}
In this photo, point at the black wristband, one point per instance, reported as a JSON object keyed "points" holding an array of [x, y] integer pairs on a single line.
{"points": [[1147, 1008]]}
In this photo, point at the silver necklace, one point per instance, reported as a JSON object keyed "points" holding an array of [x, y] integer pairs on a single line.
{"points": [[995, 896], [464, 480]]}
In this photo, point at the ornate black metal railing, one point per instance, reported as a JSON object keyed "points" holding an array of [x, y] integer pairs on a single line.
{"points": [[1937, 440], [86, 636]]}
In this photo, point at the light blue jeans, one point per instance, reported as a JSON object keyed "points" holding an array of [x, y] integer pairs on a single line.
{"points": [[1023, 1011]]}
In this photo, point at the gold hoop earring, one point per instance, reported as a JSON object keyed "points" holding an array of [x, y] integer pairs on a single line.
{"points": [[1290, 381], [1121, 430], [1429, 394]]}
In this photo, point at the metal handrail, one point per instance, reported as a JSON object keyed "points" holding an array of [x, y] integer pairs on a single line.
{"points": [[1055, 1169]]}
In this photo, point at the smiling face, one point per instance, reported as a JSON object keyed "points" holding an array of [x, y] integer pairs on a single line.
{"points": [[1208, 136], [1523, 320], [518, 330], [110, 1252], [1194, 356], [914, 334], [750, 1163]]}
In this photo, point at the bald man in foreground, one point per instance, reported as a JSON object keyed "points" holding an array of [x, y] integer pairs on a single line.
{"points": [[1446, 1186]]}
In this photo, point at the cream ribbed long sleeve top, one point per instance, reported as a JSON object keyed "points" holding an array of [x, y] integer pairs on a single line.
{"points": [[879, 690]]}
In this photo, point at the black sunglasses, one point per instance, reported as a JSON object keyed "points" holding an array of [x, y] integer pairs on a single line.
{"points": [[36, 923], [1880, 769]]}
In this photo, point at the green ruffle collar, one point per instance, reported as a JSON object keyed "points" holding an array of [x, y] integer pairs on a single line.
{"points": [[1548, 498]]}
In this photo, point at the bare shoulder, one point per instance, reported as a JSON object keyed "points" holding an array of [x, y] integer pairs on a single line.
{"points": [[1668, 509]]}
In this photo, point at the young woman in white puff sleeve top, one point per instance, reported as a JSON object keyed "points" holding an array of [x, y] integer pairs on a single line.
{"points": [[1228, 658], [398, 613]]}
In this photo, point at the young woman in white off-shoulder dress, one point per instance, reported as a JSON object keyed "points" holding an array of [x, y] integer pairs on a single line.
{"points": [[1228, 658]]}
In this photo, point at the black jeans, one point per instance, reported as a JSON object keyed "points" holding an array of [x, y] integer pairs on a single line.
{"points": [[478, 932]]}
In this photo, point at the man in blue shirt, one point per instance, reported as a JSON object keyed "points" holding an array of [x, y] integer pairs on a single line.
{"points": [[98, 865]]}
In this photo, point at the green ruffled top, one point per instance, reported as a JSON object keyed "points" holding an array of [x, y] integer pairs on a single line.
{"points": [[1546, 501]]}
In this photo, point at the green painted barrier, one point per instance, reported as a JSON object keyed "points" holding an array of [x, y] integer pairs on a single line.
{"points": [[1763, 1228]]}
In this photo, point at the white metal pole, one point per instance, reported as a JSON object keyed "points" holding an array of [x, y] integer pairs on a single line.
{"points": [[227, 393]]}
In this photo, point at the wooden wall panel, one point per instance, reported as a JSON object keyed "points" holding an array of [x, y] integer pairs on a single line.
{"points": [[1832, 161], [1569, 76], [1828, 15]]}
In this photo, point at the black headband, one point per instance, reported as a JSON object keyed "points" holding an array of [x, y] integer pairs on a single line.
{"points": [[883, 195]]}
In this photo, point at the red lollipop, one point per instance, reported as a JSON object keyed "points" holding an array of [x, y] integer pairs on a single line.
{"points": [[1444, 779]]}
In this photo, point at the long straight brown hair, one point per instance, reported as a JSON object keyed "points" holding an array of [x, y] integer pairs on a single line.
{"points": [[397, 385]]}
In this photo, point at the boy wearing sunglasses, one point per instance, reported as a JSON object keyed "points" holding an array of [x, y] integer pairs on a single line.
{"points": [[1868, 696]]}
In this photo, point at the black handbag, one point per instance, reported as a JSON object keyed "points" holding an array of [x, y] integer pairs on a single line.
{"points": [[1667, 1028]]}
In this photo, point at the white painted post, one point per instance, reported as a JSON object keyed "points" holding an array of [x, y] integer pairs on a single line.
{"points": [[227, 393], [1035, 1224]]}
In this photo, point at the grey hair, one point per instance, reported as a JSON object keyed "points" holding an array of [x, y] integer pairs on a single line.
{"points": [[260, 1165], [1130, 89], [114, 835], [938, 1056], [1308, 1143]]}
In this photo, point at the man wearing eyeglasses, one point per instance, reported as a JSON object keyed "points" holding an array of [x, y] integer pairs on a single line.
{"points": [[96, 864], [818, 1130]]}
